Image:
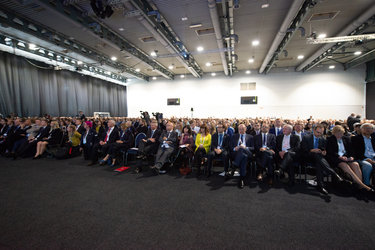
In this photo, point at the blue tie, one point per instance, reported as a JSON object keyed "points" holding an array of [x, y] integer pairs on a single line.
{"points": [[316, 142], [220, 139], [264, 139]]}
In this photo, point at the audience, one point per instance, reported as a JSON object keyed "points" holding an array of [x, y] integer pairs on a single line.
{"points": [[344, 146]]}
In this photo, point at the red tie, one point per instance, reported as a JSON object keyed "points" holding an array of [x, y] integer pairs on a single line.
{"points": [[106, 136]]}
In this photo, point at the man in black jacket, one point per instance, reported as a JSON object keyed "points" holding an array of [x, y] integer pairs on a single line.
{"points": [[313, 152], [219, 149], [287, 147]]}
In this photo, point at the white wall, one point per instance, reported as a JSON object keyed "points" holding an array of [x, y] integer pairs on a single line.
{"points": [[321, 93]]}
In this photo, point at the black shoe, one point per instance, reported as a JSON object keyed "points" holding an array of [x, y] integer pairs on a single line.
{"points": [[291, 183], [227, 176], [241, 184], [322, 190], [91, 163], [137, 170]]}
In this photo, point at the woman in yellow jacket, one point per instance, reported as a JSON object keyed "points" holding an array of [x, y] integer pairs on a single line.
{"points": [[203, 144]]}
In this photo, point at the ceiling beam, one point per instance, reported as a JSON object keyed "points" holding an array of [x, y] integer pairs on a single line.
{"points": [[291, 30], [160, 25], [44, 33], [322, 52], [360, 60], [76, 16]]}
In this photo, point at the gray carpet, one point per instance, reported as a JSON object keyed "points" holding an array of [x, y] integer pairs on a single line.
{"points": [[63, 204]]}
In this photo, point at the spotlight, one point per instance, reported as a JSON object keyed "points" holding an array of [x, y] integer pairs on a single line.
{"points": [[357, 53], [255, 42], [247, 71], [213, 74], [113, 58], [331, 66], [300, 57]]}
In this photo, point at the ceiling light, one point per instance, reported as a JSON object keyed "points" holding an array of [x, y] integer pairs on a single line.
{"points": [[21, 44], [153, 54], [331, 66], [108, 72], [7, 39], [200, 48], [171, 66], [128, 80], [255, 42], [357, 53], [41, 51], [79, 62], [208, 64], [137, 69], [50, 54], [121, 29], [251, 60], [154, 78], [266, 5], [300, 57], [182, 76], [184, 18], [196, 25], [113, 58], [247, 71], [322, 35], [213, 74]]}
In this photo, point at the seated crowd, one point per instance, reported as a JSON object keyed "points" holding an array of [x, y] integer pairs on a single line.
{"points": [[344, 150]]}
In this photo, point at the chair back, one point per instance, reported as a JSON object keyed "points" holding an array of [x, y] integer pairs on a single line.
{"points": [[138, 138]]}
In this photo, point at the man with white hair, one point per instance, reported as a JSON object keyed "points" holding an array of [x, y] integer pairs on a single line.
{"points": [[111, 136], [287, 146], [364, 150]]}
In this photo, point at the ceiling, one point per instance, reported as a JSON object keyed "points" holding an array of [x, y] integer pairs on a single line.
{"points": [[175, 38]]}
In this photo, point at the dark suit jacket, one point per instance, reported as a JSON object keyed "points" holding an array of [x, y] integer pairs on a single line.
{"points": [[113, 137], [358, 143], [127, 137], [81, 129], [308, 143], [55, 136], [249, 140], [215, 142], [156, 134], [173, 137], [90, 138], [254, 133], [258, 141], [273, 131], [4, 129], [43, 133], [333, 149], [294, 143]]}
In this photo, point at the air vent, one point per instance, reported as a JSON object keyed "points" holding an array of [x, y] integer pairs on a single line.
{"points": [[323, 16], [203, 32], [248, 85], [147, 39]]}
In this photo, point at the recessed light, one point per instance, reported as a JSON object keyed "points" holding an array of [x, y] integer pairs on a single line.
{"points": [[357, 53], [21, 44], [154, 78], [300, 57], [266, 5], [322, 35], [213, 74], [184, 18], [128, 80], [137, 69], [247, 71], [208, 64], [255, 42], [7, 39], [331, 66], [32, 46], [153, 54], [182, 76], [200, 48], [121, 29], [171, 66], [251, 60], [79, 62], [113, 58]]}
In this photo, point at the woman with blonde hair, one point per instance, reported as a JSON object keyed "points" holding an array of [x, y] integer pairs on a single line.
{"points": [[54, 138], [203, 144]]}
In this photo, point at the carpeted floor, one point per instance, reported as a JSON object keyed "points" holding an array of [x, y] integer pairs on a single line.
{"points": [[52, 204]]}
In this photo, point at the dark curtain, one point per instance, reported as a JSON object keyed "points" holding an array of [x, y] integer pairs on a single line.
{"points": [[30, 91], [370, 71]]}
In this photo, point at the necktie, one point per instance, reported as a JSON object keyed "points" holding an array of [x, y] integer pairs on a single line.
{"points": [[264, 140], [220, 140], [316, 142], [152, 133], [169, 133], [106, 136]]}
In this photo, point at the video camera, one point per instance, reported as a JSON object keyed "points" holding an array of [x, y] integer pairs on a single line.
{"points": [[146, 117], [158, 116]]}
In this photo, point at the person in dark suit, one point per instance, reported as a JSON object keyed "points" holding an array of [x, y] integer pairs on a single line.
{"points": [[79, 127], [125, 142], [29, 147], [88, 139], [277, 128], [340, 155], [265, 147], [54, 137], [287, 147], [7, 132], [313, 150], [241, 148], [298, 130], [219, 149], [364, 151], [82, 115], [111, 136], [168, 143], [256, 129], [141, 128], [21, 136], [149, 146]]}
